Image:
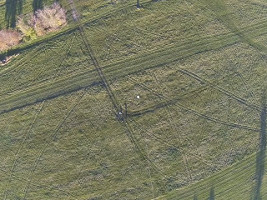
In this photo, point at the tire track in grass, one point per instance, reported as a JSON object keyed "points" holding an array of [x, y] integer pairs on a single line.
{"points": [[215, 120], [199, 158], [117, 107], [20, 62], [66, 55], [119, 113], [36, 184], [220, 182], [167, 142], [52, 136], [149, 170], [122, 7], [116, 70], [220, 89], [20, 148], [244, 82], [80, 172], [204, 116], [233, 181], [35, 55], [152, 108], [88, 142], [175, 129], [231, 124], [171, 101], [226, 177]]}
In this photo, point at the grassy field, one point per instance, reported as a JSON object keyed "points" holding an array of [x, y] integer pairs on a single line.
{"points": [[232, 183], [189, 73]]}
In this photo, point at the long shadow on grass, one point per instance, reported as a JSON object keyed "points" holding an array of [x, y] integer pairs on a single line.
{"points": [[224, 15], [13, 8], [50, 97], [212, 194], [37, 4], [260, 160]]}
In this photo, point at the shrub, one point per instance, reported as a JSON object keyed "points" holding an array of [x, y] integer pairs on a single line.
{"points": [[26, 26], [43, 21], [9, 38], [49, 19]]}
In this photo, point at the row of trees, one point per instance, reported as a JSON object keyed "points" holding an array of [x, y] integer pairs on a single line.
{"points": [[30, 26], [14, 8]]}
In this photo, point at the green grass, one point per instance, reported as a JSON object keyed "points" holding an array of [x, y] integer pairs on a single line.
{"points": [[199, 68], [231, 183]]}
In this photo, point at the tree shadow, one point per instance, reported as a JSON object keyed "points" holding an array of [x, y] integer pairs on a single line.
{"points": [[260, 159], [212, 194], [13, 8], [138, 4], [37, 4]]}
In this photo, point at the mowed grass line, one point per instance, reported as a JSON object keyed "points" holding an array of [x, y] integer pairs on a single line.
{"points": [[22, 63], [167, 101], [149, 60], [21, 145], [247, 27], [227, 183], [9, 69], [25, 181]]}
